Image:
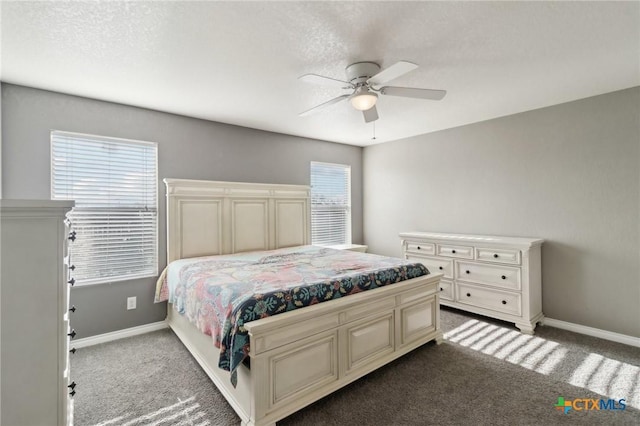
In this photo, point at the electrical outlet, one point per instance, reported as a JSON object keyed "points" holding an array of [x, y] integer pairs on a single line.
{"points": [[131, 303]]}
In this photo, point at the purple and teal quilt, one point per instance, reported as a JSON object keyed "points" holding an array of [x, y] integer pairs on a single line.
{"points": [[220, 294]]}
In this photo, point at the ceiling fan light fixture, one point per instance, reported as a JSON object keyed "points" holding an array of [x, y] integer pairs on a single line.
{"points": [[363, 99]]}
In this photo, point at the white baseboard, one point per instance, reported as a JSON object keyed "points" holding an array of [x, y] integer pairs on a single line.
{"points": [[120, 334], [595, 332], [564, 325]]}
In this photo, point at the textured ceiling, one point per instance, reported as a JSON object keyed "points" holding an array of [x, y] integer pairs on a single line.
{"points": [[238, 62]]}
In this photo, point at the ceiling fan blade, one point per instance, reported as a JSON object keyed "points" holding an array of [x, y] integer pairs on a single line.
{"points": [[326, 81], [410, 92], [370, 114], [324, 105], [391, 73]]}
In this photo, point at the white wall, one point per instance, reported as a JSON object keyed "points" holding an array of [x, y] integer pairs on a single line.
{"points": [[569, 174]]}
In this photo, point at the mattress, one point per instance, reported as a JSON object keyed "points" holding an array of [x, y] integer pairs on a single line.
{"points": [[219, 294]]}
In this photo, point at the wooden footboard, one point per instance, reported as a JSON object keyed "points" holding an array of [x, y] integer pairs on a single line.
{"points": [[301, 356]]}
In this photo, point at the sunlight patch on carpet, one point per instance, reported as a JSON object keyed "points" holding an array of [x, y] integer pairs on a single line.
{"points": [[609, 377], [605, 376], [183, 413]]}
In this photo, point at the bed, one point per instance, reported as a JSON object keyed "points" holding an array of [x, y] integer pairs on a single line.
{"points": [[299, 356]]}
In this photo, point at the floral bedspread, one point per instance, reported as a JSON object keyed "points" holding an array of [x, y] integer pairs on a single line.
{"points": [[220, 294]]}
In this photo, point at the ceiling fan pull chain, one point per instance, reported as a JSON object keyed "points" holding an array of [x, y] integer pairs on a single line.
{"points": [[374, 131]]}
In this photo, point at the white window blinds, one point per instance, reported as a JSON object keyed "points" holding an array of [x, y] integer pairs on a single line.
{"points": [[330, 204], [114, 185]]}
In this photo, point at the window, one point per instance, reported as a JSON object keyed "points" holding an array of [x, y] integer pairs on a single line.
{"points": [[114, 184], [330, 204]]}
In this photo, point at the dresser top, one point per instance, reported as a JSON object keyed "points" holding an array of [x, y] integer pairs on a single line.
{"points": [[488, 240], [21, 208], [10, 203]]}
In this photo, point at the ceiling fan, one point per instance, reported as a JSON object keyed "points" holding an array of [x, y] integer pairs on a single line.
{"points": [[366, 81]]}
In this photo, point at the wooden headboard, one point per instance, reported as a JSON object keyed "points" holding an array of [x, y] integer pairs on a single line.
{"points": [[212, 218]]}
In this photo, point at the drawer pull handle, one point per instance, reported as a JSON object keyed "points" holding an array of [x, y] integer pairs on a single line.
{"points": [[73, 308], [418, 247], [72, 281], [72, 393], [440, 267], [73, 350], [453, 251], [72, 334], [441, 289], [468, 294], [468, 271], [504, 302], [504, 277], [72, 386], [495, 255]]}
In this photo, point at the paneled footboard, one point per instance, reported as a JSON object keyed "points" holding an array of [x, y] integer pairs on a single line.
{"points": [[301, 356]]}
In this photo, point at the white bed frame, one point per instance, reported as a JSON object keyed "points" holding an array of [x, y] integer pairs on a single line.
{"points": [[300, 356]]}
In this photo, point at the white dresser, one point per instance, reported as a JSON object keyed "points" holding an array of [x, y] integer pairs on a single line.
{"points": [[34, 316], [499, 277]]}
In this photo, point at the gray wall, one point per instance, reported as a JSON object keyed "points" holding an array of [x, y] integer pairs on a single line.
{"points": [[569, 174], [187, 148]]}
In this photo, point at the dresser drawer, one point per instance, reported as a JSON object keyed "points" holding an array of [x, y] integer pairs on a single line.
{"points": [[495, 300], [498, 255], [435, 265], [421, 248], [446, 290], [499, 276], [462, 252]]}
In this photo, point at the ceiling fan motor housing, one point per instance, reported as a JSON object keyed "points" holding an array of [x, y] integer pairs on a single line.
{"points": [[360, 72]]}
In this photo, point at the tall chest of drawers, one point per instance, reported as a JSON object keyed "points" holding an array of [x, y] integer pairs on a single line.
{"points": [[34, 314], [495, 276]]}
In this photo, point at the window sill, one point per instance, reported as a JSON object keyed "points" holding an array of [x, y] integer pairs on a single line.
{"points": [[113, 280], [351, 247]]}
